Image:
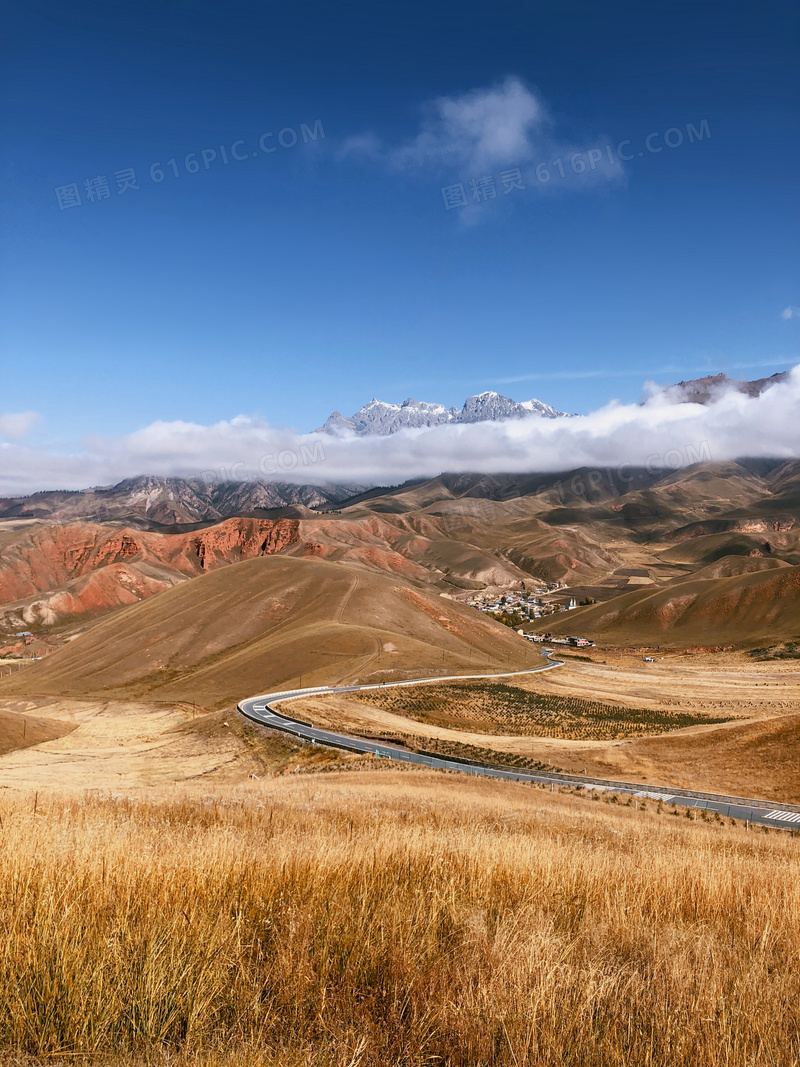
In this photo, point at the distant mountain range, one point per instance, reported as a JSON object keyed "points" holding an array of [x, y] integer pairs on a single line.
{"points": [[706, 390], [379, 419], [152, 500]]}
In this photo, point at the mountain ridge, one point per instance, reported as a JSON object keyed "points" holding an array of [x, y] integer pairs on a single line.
{"points": [[170, 500], [377, 418], [713, 386]]}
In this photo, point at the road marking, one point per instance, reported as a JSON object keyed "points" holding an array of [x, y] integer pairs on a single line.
{"points": [[267, 716], [784, 816]]}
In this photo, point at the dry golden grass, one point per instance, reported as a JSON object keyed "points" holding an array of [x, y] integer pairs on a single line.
{"points": [[502, 708], [753, 754], [19, 731], [719, 684], [124, 745], [267, 623], [393, 918]]}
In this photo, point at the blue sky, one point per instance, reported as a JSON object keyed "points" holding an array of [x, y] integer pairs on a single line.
{"points": [[312, 277]]}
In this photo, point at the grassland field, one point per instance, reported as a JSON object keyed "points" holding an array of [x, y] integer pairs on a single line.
{"points": [[392, 917], [180, 887]]}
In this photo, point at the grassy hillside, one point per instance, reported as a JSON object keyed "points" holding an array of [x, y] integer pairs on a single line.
{"points": [[19, 730], [378, 919], [269, 621], [723, 611]]}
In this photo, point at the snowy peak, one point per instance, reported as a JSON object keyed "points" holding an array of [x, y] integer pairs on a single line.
{"points": [[379, 406], [538, 407], [337, 424], [377, 418], [490, 407]]}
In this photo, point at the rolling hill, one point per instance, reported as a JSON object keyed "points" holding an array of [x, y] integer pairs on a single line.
{"points": [[267, 621], [733, 610], [599, 532]]}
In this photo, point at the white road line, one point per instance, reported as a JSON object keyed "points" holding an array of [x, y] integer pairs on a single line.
{"points": [[267, 716]]}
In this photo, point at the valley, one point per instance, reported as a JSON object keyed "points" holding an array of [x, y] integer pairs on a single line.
{"points": [[709, 550], [259, 861], [696, 571], [399, 665]]}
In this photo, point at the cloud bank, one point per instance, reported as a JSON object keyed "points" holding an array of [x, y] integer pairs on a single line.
{"points": [[18, 424], [658, 433]]}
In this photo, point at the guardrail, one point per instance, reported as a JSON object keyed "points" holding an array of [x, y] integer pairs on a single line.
{"points": [[563, 778], [668, 790], [361, 744]]}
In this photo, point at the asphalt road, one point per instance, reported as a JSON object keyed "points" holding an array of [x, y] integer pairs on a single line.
{"points": [[261, 710]]}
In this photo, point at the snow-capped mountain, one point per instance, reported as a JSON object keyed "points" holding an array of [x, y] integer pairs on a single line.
{"points": [[538, 407], [494, 407], [377, 418]]}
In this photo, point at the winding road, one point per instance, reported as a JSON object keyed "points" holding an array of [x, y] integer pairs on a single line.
{"points": [[261, 709]]}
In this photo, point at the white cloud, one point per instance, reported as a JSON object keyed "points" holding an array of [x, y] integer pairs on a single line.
{"points": [[734, 425], [482, 129], [18, 424], [504, 125], [790, 313]]}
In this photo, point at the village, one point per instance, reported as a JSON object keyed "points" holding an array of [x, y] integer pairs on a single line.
{"points": [[516, 607]]}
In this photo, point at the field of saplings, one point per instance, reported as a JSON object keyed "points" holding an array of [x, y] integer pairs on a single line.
{"points": [[493, 707]]}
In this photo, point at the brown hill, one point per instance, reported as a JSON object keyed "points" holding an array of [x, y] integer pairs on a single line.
{"points": [[714, 487], [453, 533], [729, 566], [47, 556], [19, 730], [720, 611], [413, 544], [706, 548], [266, 622], [113, 586], [50, 573]]}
